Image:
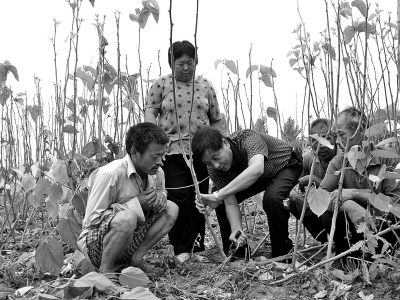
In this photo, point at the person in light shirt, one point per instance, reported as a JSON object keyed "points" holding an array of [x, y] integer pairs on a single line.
{"points": [[127, 211]]}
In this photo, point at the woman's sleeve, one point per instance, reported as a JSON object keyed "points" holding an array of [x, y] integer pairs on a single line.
{"points": [[154, 96]]}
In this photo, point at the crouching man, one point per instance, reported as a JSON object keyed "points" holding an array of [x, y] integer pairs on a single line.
{"points": [[127, 211]]}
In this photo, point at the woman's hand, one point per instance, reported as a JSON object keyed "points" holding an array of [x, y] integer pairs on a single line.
{"points": [[207, 203], [238, 237]]}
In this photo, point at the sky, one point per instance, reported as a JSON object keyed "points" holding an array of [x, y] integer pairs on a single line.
{"points": [[226, 29]]}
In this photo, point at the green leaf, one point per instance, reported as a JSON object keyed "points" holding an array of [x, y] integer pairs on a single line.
{"points": [[387, 141], [133, 277], [92, 2], [392, 25], [4, 95], [47, 297], [34, 200], [345, 12], [55, 193], [49, 256], [28, 182], [134, 17], [59, 171], [348, 34], [139, 293], [52, 208], [322, 140], [79, 201], [264, 70], [272, 113], [217, 62], [353, 155], [144, 16], [375, 129], [371, 16], [70, 228], [86, 78], [385, 153], [99, 281], [71, 292], [13, 70], [230, 64], [251, 70], [330, 50], [319, 200], [292, 62], [364, 26], [267, 80], [361, 7], [381, 202], [70, 129], [35, 113]]}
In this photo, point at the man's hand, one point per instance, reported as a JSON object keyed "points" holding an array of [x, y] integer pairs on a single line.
{"points": [[238, 237], [147, 199], [303, 181], [355, 211], [347, 194], [161, 201]]}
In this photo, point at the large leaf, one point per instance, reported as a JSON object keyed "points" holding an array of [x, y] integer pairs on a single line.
{"points": [[264, 70], [348, 34], [49, 256], [387, 141], [251, 70], [34, 200], [99, 281], [322, 140], [71, 292], [361, 7], [318, 200], [52, 208], [330, 50], [230, 64], [292, 62], [267, 80], [375, 129], [381, 202], [55, 193], [28, 182], [139, 293], [70, 129], [366, 27], [86, 78], [59, 171], [79, 201], [133, 277], [385, 153], [353, 155], [70, 228], [272, 113]]}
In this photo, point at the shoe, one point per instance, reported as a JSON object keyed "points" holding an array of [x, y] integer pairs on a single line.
{"points": [[186, 257]]}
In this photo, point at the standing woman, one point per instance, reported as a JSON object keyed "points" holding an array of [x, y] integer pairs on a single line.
{"points": [[178, 180]]}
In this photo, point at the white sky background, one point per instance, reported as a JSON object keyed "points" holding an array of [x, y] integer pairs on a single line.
{"points": [[226, 29]]}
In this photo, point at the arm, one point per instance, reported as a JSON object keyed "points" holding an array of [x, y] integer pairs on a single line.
{"points": [[217, 124], [233, 213], [246, 178], [150, 114]]}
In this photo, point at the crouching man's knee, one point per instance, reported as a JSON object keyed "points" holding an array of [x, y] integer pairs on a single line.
{"points": [[170, 213], [125, 222]]}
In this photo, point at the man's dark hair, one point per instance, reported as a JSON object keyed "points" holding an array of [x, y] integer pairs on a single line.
{"points": [[353, 116], [142, 135], [318, 121], [181, 48], [206, 138]]}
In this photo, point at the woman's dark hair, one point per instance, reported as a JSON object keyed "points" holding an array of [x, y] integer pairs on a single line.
{"points": [[318, 121], [181, 48], [142, 135], [206, 138], [353, 117]]}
